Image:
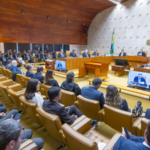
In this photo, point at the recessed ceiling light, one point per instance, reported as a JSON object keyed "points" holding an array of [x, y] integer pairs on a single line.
{"points": [[113, 1], [48, 17], [23, 12]]}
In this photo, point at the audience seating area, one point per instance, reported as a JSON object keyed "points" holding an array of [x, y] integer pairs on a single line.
{"points": [[78, 135]]}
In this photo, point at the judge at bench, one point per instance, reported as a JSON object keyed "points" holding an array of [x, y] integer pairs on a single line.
{"points": [[95, 53], [122, 53], [86, 54], [73, 54], [141, 53], [139, 80], [61, 54]]}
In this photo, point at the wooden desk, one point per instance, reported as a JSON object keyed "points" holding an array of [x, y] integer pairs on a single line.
{"points": [[142, 69], [94, 69]]}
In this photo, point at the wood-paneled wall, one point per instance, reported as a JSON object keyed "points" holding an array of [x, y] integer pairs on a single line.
{"points": [[34, 27]]}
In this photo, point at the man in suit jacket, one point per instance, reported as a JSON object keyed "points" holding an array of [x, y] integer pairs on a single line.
{"points": [[9, 64], [11, 57], [73, 54], [54, 55], [67, 115], [39, 75], [14, 68], [134, 143], [3, 59], [140, 80], [122, 53], [92, 92], [28, 57], [141, 53], [86, 54], [7, 54], [42, 56], [61, 54], [95, 53]]}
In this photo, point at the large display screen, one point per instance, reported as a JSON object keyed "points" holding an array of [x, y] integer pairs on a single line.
{"points": [[60, 65], [140, 79]]}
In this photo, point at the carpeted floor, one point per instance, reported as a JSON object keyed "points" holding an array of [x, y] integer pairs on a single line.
{"points": [[51, 143]]}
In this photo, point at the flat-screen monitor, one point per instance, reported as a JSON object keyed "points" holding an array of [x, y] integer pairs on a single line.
{"points": [[60, 65], [140, 79], [121, 62]]}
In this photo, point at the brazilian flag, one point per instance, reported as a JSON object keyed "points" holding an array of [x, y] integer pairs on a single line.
{"points": [[112, 43]]}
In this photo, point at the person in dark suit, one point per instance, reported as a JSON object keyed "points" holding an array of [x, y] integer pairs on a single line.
{"points": [[7, 54], [122, 53], [61, 54], [46, 47], [39, 75], [73, 54], [28, 57], [42, 57], [15, 55], [54, 55], [69, 85], [49, 79], [11, 57], [39, 48], [141, 53], [29, 73], [14, 68], [92, 92], [113, 98], [95, 53], [9, 64], [135, 142], [23, 55], [139, 80], [86, 54], [67, 115], [3, 59]]}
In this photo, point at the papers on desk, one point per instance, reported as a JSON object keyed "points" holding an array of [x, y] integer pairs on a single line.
{"points": [[101, 145]]}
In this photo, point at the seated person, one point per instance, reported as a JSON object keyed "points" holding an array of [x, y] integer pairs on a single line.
{"points": [[20, 60], [31, 93], [49, 80], [2, 108], [29, 73], [86, 54], [42, 57], [69, 85], [28, 58], [67, 115], [92, 92], [9, 63], [135, 142], [61, 54], [24, 54], [39, 75], [14, 68], [95, 53], [16, 136], [54, 55], [113, 99], [11, 57], [122, 53], [73, 54], [3, 59], [141, 53], [139, 80]]}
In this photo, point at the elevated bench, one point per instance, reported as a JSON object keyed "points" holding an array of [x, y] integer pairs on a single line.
{"points": [[102, 78], [120, 87]]}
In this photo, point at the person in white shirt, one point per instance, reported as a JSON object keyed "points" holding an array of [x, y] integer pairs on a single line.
{"points": [[20, 60], [31, 93]]}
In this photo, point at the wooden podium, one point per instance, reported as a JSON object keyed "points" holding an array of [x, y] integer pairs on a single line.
{"points": [[50, 65], [94, 69]]}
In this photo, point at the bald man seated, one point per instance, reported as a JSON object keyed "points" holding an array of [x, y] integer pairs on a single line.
{"points": [[14, 68], [86, 54], [141, 53], [122, 53]]}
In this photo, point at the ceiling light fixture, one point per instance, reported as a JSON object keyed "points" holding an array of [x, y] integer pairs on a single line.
{"points": [[113, 1], [23, 12], [48, 17]]}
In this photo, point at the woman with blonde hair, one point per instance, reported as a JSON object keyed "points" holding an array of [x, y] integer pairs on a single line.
{"points": [[49, 80], [113, 99]]}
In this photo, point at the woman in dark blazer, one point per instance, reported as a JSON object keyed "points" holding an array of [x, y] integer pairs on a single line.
{"points": [[113, 99], [29, 73], [49, 80]]}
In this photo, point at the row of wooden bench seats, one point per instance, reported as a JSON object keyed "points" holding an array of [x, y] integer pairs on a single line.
{"points": [[50, 122]]}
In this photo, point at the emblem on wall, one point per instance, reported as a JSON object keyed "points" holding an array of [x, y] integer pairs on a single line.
{"points": [[148, 42]]}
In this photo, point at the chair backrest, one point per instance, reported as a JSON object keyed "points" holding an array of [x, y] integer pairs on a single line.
{"points": [[68, 53], [145, 52], [30, 109], [77, 141], [14, 96], [144, 123], [4, 71], [50, 122], [1, 72], [89, 108], [57, 54], [117, 118], [3, 78], [26, 79], [20, 80], [9, 73], [68, 98], [41, 90], [46, 87], [91, 53], [82, 52], [28, 145]]}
